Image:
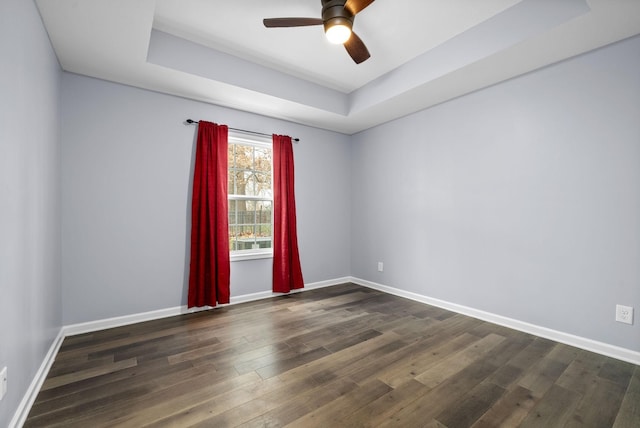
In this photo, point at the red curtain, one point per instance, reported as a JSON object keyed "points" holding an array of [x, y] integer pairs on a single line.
{"points": [[287, 273], [209, 270]]}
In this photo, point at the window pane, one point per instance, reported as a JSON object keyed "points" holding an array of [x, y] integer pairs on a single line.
{"points": [[246, 212], [231, 178], [250, 225], [249, 175], [263, 184], [231, 175], [263, 213], [250, 183], [243, 156], [232, 213], [232, 238], [262, 160]]}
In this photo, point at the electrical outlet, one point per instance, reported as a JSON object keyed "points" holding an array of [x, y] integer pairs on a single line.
{"points": [[3, 382], [624, 314], [380, 266]]}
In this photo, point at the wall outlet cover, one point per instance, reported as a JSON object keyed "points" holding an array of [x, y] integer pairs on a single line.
{"points": [[624, 314]]}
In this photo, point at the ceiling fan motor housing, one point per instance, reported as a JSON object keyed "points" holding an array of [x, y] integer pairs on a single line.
{"points": [[334, 13]]}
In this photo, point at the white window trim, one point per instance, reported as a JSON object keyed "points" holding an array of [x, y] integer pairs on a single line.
{"points": [[237, 257], [235, 137]]}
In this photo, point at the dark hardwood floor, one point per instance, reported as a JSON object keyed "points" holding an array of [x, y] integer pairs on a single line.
{"points": [[343, 356]]}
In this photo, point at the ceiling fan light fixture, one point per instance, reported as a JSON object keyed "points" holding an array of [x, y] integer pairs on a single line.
{"points": [[338, 30], [337, 19]]}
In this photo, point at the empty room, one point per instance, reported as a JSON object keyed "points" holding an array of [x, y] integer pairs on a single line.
{"points": [[319, 213]]}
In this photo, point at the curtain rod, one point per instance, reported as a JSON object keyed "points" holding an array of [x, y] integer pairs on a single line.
{"points": [[193, 122]]}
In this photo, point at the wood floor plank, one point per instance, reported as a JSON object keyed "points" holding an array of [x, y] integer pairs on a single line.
{"points": [[336, 411], [380, 409], [506, 376], [287, 364], [542, 375], [282, 412], [146, 382], [554, 409], [123, 340], [68, 378], [629, 414], [170, 401], [459, 361], [376, 365], [106, 380], [345, 362], [337, 356], [60, 368], [608, 395], [66, 415], [427, 405], [242, 404], [509, 410], [351, 340], [261, 357], [233, 347], [617, 372], [420, 359], [582, 372], [472, 405], [533, 353], [159, 398], [324, 335]]}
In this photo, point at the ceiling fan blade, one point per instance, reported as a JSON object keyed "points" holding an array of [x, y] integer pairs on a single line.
{"points": [[356, 48], [290, 22], [355, 6]]}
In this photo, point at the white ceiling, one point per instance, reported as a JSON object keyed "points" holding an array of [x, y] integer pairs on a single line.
{"points": [[423, 52]]}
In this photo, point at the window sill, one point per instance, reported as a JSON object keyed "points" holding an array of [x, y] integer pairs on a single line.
{"points": [[250, 256]]}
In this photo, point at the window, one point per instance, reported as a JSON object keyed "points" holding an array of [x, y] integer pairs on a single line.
{"points": [[250, 196]]}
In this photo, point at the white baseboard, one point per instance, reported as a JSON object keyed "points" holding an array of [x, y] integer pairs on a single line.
{"points": [[20, 416], [330, 283], [558, 336], [91, 326]]}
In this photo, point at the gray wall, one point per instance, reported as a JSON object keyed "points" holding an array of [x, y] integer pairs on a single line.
{"points": [[126, 171], [522, 199], [30, 303]]}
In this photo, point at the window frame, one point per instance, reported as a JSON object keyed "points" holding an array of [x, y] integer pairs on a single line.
{"points": [[235, 137]]}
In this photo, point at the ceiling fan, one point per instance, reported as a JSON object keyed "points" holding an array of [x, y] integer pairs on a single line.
{"points": [[337, 18]]}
